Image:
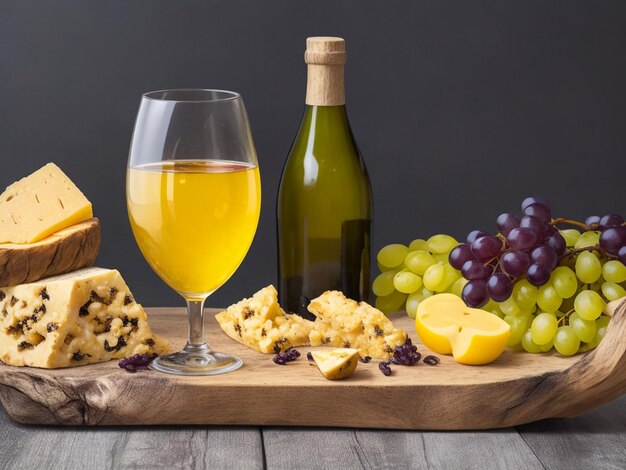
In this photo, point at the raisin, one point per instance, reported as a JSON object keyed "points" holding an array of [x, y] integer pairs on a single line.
{"points": [[326, 340], [83, 311], [263, 332], [128, 300], [248, 312], [13, 301], [68, 339], [134, 322], [121, 342], [52, 327], [280, 344], [78, 356], [112, 294], [150, 342], [238, 328], [94, 297], [346, 344], [44, 294], [4, 312], [431, 360], [2, 296], [378, 331], [24, 304], [24, 345], [125, 320], [41, 308]]}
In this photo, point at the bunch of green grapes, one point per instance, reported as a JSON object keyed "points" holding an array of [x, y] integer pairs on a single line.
{"points": [[409, 274], [566, 312]]}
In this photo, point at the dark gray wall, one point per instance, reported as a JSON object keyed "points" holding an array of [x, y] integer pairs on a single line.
{"points": [[460, 108]]}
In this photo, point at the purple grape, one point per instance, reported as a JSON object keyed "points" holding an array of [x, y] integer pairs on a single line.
{"points": [[521, 238], [557, 243], [540, 211], [487, 247], [499, 287], [507, 222], [475, 293], [611, 220], [529, 201], [538, 274], [460, 255], [592, 220], [515, 263], [622, 254], [475, 270], [475, 235], [546, 256], [613, 239], [536, 225]]}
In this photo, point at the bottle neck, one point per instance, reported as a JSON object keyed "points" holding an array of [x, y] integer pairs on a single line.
{"points": [[325, 85]]}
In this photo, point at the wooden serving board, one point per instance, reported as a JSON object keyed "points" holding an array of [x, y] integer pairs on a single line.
{"points": [[518, 388]]}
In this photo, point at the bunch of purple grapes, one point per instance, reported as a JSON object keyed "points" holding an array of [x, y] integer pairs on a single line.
{"points": [[527, 246]]}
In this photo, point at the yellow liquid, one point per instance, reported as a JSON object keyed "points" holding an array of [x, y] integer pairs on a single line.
{"points": [[194, 220]]}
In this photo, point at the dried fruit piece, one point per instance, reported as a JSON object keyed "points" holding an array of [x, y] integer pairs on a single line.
{"points": [[384, 367], [406, 354], [431, 360], [283, 358], [138, 361]]}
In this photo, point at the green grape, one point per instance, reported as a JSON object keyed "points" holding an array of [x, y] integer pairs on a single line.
{"points": [[418, 244], [391, 303], [509, 307], [548, 299], [528, 344], [492, 307], [383, 269], [419, 261], [571, 236], [392, 256], [584, 329], [407, 282], [434, 278], [518, 328], [588, 267], [441, 244], [614, 271], [591, 238], [524, 294], [457, 287], [602, 321], [589, 305], [451, 275], [564, 281], [566, 342], [546, 347], [613, 291], [441, 258], [543, 328], [413, 301], [383, 284]]}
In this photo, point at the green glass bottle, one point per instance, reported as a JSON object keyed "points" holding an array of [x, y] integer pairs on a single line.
{"points": [[324, 208]]}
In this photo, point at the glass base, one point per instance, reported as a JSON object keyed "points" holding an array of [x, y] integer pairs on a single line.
{"points": [[196, 360]]}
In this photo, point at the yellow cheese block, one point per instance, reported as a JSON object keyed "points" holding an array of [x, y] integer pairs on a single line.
{"points": [[40, 204], [447, 326]]}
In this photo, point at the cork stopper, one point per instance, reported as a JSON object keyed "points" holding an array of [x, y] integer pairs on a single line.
{"points": [[325, 57]]}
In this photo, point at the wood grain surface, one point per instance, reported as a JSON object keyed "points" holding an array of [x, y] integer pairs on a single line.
{"points": [[518, 388], [67, 250]]}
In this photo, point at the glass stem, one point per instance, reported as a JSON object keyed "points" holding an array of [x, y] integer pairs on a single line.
{"points": [[195, 311]]}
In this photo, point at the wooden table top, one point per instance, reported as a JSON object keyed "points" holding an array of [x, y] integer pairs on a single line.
{"points": [[595, 440]]}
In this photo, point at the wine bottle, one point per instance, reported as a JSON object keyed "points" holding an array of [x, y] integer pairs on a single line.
{"points": [[324, 208]]}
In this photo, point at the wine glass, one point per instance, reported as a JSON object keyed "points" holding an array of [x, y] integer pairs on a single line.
{"points": [[193, 193]]}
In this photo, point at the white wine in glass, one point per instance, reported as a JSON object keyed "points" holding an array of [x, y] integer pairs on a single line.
{"points": [[194, 195]]}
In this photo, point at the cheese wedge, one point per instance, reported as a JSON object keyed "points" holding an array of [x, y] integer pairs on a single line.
{"points": [[447, 326], [261, 324], [40, 204], [336, 364], [74, 319], [344, 323]]}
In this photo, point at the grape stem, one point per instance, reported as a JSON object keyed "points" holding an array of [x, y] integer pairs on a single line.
{"points": [[575, 251], [563, 220], [565, 316]]}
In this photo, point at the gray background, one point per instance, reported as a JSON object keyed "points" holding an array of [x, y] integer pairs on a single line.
{"points": [[460, 108]]}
